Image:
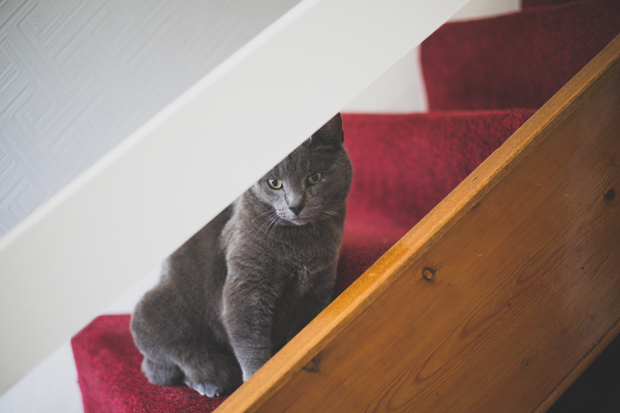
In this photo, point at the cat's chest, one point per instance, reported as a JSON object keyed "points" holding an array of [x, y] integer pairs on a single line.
{"points": [[300, 265], [299, 255], [301, 279], [307, 254]]}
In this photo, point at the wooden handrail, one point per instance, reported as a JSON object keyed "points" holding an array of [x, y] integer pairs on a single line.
{"points": [[525, 285]]}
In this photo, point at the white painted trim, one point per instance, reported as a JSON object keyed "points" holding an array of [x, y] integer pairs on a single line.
{"points": [[479, 9], [399, 90], [67, 261]]}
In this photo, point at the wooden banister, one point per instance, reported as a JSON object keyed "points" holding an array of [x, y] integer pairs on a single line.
{"points": [[498, 299]]}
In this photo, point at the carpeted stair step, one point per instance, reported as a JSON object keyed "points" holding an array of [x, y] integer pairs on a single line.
{"points": [[403, 166], [537, 3], [515, 61]]}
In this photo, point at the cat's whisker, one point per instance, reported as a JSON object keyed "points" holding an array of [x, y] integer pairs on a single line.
{"points": [[334, 213], [330, 213], [277, 226], [263, 224], [272, 221], [268, 221], [271, 212], [273, 226]]}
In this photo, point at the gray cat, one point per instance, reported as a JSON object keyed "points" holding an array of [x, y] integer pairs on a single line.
{"points": [[252, 278]]}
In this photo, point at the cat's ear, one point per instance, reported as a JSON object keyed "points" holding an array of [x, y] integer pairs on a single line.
{"points": [[330, 135]]}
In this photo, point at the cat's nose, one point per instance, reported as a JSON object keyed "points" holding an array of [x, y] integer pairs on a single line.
{"points": [[296, 208]]}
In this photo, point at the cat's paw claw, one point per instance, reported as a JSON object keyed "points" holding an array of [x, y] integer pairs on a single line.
{"points": [[205, 388]]}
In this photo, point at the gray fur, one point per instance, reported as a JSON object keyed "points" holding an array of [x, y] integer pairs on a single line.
{"points": [[252, 278]]}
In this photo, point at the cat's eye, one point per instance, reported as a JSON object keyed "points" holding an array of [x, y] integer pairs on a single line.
{"points": [[274, 183], [314, 178]]}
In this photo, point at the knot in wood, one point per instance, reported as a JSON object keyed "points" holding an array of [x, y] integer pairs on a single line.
{"points": [[610, 195], [312, 365], [428, 274]]}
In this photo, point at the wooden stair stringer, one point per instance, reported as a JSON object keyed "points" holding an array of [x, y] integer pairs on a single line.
{"points": [[522, 289]]}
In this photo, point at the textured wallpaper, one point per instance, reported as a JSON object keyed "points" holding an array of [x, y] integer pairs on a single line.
{"points": [[78, 76]]}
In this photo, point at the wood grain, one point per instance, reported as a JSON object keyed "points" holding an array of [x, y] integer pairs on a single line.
{"points": [[526, 290]]}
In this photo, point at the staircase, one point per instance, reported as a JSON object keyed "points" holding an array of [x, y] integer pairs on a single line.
{"points": [[484, 79]]}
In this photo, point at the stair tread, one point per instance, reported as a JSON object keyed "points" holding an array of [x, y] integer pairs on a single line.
{"points": [[517, 60], [545, 3]]}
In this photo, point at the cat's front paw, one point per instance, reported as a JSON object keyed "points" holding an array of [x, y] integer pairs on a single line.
{"points": [[206, 388]]}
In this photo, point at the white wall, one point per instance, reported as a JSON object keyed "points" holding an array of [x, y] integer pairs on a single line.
{"points": [[76, 78]]}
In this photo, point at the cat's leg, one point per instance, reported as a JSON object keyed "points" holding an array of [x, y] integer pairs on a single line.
{"points": [[162, 372], [206, 388], [304, 310], [210, 372], [247, 313], [153, 341]]}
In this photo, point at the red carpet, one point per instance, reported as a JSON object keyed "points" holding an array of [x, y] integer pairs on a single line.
{"points": [[403, 164], [110, 379], [515, 61], [534, 3]]}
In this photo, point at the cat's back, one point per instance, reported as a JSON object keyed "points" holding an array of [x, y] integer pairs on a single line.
{"points": [[201, 255], [191, 282]]}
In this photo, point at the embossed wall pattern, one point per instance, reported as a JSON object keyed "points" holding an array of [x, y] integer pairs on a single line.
{"points": [[78, 76]]}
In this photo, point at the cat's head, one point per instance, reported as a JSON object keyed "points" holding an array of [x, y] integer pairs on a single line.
{"points": [[313, 182]]}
